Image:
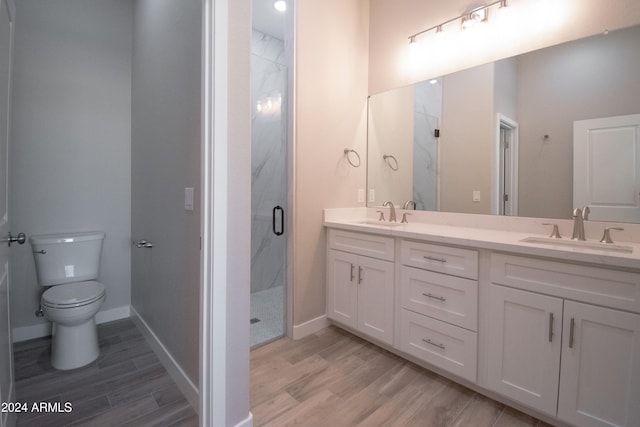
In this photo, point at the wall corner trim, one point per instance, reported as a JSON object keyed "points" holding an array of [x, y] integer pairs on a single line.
{"points": [[183, 382], [310, 327]]}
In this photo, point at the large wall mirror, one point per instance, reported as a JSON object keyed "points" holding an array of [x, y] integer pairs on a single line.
{"points": [[499, 138]]}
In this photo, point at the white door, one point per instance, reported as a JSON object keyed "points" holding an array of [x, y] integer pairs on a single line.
{"points": [[375, 298], [6, 348], [606, 167], [523, 356], [342, 287], [600, 375]]}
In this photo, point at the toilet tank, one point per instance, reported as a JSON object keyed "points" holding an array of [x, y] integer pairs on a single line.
{"points": [[67, 257]]}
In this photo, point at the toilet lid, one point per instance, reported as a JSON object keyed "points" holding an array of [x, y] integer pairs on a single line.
{"points": [[73, 294]]}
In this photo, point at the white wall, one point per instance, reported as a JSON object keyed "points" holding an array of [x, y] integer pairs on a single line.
{"points": [[532, 24], [70, 159], [165, 149], [331, 115]]}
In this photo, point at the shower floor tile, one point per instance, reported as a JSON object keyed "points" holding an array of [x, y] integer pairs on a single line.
{"points": [[267, 315]]}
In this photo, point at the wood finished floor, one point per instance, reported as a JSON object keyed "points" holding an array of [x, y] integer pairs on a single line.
{"points": [[126, 386], [333, 378]]}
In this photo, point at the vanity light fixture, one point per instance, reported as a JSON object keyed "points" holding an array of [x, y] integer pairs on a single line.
{"points": [[280, 5], [467, 20]]}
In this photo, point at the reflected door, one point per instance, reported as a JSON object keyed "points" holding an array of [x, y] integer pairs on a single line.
{"points": [[606, 167]]}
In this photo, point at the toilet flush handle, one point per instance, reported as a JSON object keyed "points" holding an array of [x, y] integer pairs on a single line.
{"points": [[143, 244]]}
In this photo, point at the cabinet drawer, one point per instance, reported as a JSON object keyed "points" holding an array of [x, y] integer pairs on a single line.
{"points": [[601, 286], [447, 298], [362, 244], [443, 345], [442, 259]]}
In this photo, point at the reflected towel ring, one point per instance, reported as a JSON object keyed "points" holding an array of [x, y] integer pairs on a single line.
{"points": [[386, 158], [347, 152]]}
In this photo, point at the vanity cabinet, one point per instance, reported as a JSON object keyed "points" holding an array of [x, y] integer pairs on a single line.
{"points": [[438, 315], [360, 283], [566, 358]]}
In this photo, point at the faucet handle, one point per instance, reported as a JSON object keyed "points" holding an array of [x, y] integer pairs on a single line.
{"points": [[585, 213], [381, 217], [404, 218], [555, 234], [606, 237]]}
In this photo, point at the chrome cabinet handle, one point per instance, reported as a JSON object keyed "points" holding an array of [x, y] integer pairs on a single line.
{"points": [[434, 259], [19, 239], [360, 275], [143, 244], [352, 275], [550, 327], [443, 299], [572, 326], [428, 341]]}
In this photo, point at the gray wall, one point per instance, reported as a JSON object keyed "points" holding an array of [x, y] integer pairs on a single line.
{"points": [[70, 153], [585, 79], [165, 153]]}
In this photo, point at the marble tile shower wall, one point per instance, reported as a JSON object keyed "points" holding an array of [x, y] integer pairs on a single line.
{"points": [[427, 113], [268, 160]]}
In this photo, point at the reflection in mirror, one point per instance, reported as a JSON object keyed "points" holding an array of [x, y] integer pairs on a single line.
{"points": [[506, 133]]}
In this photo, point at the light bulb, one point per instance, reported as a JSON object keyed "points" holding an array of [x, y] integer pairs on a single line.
{"points": [[280, 5]]}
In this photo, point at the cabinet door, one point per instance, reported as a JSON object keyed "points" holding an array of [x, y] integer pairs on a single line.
{"points": [[342, 287], [375, 298], [600, 375], [523, 347]]}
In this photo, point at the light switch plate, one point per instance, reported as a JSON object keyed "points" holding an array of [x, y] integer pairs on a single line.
{"points": [[476, 196], [372, 195], [361, 195], [188, 199]]}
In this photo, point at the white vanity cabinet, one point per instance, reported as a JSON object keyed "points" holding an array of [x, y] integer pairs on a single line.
{"points": [[438, 312], [551, 348], [360, 283]]}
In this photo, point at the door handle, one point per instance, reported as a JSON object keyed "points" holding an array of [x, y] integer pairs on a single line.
{"points": [[19, 239], [143, 244], [277, 232]]}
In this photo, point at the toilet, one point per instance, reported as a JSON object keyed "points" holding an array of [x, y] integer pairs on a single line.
{"points": [[68, 264]]}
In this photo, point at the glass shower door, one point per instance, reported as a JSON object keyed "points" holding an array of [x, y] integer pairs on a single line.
{"points": [[269, 190]]}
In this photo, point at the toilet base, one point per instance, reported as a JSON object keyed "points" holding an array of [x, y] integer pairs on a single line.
{"points": [[74, 346]]}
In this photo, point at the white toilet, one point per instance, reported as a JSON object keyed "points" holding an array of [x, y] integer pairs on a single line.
{"points": [[69, 264]]}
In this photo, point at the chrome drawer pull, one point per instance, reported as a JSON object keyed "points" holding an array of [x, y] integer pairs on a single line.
{"points": [[572, 326], [443, 299], [428, 341], [434, 259], [360, 275], [352, 275], [550, 327]]}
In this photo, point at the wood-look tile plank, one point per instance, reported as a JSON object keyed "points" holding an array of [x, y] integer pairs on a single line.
{"points": [[273, 408], [481, 412], [360, 384], [126, 382]]}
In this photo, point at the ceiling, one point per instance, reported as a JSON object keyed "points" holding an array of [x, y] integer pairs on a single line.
{"points": [[268, 20]]}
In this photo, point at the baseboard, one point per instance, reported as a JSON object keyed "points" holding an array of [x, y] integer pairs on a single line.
{"points": [[39, 330], [247, 422], [183, 382], [311, 327]]}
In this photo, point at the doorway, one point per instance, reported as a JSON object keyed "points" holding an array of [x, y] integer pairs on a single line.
{"points": [[506, 185]]}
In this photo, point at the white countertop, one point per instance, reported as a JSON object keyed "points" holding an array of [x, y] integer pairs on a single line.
{"points": [[493, 239]]}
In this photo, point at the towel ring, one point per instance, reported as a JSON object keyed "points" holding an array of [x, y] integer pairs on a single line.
{"points": [[386, 158], [347, 152]]}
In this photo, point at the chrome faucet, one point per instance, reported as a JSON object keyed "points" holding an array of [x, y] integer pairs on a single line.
{"points": [[392, 210], [579, 216], [409, 204]]}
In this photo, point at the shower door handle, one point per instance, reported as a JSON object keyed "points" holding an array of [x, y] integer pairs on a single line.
{"points": [[276, 231]]}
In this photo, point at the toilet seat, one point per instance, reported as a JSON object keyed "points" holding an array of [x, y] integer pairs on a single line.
{"points": [[73, 295]]}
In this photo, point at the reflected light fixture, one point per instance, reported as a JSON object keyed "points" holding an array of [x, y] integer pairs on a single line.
{"points": [[467, 20], [280, 5]]}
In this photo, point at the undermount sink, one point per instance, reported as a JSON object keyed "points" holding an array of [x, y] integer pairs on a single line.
{"points": [[598, 246], [380, 223]]}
